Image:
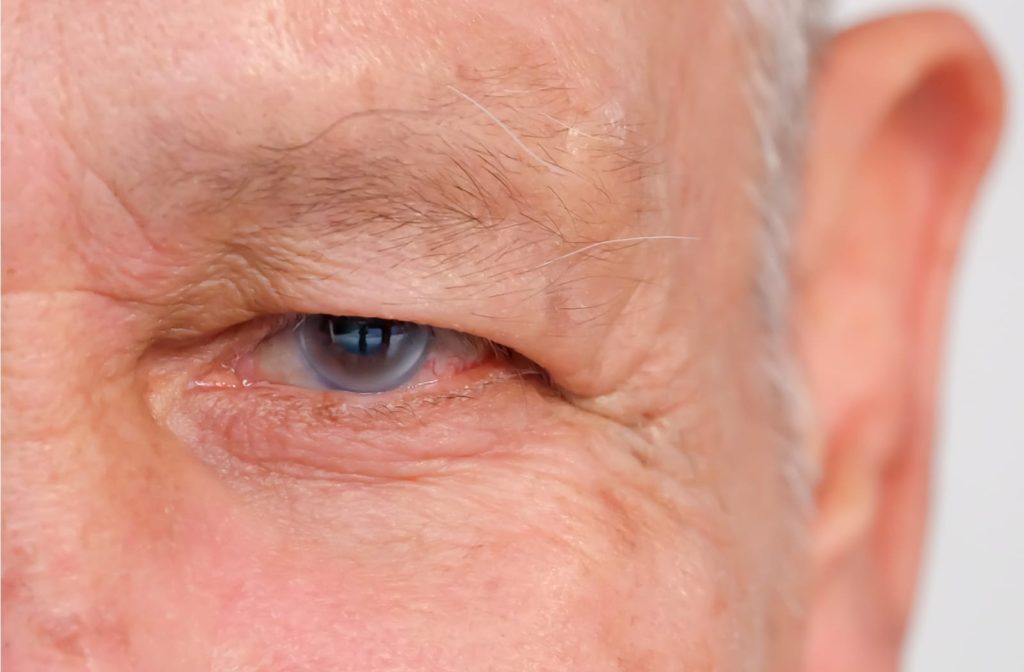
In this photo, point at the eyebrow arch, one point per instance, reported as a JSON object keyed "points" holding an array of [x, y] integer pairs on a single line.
{"points": [[405, 166], [455, 177]]}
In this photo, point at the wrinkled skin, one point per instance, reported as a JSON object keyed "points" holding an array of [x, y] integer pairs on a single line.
{"points": [[181, 177], [155, 524]]}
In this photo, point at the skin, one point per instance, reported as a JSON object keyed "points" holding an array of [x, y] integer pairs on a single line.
{"points": [[620, 494]]}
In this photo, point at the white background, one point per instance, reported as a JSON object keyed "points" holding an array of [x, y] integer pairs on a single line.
{"points": [[970, 615]]}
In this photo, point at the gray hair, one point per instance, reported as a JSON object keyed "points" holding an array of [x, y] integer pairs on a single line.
{"points": [[785, 36]]}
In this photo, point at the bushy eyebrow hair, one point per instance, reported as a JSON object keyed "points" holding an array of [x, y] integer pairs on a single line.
{"points": [[436, 175]]}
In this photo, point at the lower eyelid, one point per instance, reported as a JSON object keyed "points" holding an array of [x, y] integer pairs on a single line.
{"points": [[469, 390], [320, 434]]}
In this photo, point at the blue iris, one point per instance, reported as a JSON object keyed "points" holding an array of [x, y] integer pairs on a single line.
{"points": [[362, 354]]}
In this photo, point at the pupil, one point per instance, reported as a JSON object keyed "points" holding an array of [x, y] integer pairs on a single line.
{"points": [[360, 336]]}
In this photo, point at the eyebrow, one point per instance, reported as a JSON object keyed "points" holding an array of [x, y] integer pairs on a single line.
{"points": [[403, 177], [442, 190], [469, 165]]}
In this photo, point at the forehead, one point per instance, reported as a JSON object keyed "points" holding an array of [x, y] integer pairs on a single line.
{"points": [[268, 64], [147, 90]]}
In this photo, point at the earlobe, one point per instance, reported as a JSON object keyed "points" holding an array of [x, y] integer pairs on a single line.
{"points": [[906, 117]]}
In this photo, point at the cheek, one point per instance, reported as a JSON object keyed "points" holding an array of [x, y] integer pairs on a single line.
{"points": [[555, 555], [526, 564]]}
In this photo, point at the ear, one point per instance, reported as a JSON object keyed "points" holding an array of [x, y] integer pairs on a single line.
{"points": [[906, 116]]}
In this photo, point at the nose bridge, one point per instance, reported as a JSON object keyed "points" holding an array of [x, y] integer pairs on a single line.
{"points": [[62, 541], [82, 485], [77, 431]]}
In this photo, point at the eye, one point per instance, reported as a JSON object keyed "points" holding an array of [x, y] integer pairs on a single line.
{"points": [[360, 354], [366, 355]]}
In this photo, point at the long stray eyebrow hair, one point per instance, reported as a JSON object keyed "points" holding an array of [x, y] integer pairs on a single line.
{"points": [[441, 191], [455, 170]]}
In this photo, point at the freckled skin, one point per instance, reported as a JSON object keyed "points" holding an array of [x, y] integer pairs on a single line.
{"points": [[630, 518]]}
